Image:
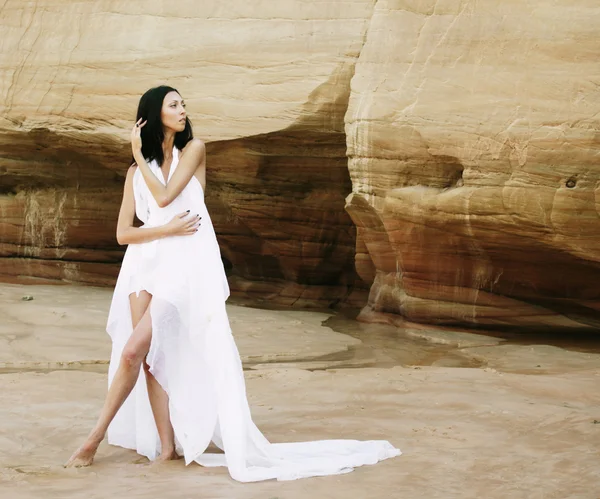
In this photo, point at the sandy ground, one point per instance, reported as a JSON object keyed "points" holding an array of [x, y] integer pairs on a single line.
{"points": [[525, 425]]}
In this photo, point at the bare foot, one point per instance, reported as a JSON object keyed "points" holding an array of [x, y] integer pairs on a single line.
{"points": [[168, 456], [84, 456]]}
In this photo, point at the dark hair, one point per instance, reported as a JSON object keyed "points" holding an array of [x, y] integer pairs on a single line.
{"points": [[152, 134]]}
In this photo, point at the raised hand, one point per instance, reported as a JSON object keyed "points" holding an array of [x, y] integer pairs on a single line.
{"points": [[136, 137]]}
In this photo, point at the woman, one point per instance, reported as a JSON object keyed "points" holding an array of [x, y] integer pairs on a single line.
{"points": [[175, 378]]}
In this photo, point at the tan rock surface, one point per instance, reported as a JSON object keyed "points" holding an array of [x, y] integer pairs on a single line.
{"points": [[465, 433], [63, 327], [473, 149], [266, 85], [468, 129]]}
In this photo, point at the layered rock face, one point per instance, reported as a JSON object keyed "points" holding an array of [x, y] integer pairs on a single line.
{"points": [[266, 85], [473, 146], [441, 153], [58, 209]]}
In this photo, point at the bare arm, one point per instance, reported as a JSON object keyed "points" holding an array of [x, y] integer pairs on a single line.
{"points": [[193, 158], [182, 224]]}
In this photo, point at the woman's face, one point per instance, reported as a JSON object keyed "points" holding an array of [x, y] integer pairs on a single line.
{"points": [[173, 112]]}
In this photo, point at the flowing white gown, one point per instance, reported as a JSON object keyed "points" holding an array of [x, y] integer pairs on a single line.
{"points": [[195, 359]]}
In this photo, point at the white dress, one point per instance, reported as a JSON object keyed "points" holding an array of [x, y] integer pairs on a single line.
{"points": [[195, 359]]}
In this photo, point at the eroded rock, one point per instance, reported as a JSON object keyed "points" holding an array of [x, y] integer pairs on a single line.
{"points": [[266, 86], [473, 152]]}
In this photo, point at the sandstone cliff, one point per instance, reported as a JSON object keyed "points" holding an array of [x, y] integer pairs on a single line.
{"points": [[445, 149], [267, 87], [473, 151]]}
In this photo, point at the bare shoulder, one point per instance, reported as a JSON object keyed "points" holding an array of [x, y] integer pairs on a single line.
{"points": [[194, 146]]}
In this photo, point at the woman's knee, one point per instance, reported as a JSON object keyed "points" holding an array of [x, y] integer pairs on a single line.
{"points": [[131, 358]]}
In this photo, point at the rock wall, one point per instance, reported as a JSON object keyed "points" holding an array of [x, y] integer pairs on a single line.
{"points": [[443, 153], [473, 151], [267, 86]]}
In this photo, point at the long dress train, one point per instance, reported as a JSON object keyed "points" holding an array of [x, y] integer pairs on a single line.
{"points": [[195, 359]]}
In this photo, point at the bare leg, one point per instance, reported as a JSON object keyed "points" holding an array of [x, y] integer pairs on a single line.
{"points": [[159, 400], [133, 355]]}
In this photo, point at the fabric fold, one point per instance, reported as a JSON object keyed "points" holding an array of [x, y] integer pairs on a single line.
{"points": [[194, 357]]}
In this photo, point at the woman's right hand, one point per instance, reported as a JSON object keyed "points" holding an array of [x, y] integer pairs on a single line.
{"points": [[136, 137], [183, 224]]}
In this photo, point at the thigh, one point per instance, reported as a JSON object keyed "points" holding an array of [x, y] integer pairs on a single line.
{"points": [[139, 305], [138, 344]]}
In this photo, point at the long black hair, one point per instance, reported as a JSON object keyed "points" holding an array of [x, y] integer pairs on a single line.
{"points": [[152, 132]]}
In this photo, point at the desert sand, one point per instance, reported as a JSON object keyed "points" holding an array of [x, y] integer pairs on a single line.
{"points": [[524, 423]]}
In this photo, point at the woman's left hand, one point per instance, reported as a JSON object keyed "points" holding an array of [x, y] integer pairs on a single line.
{"points": [[136, 137]]}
